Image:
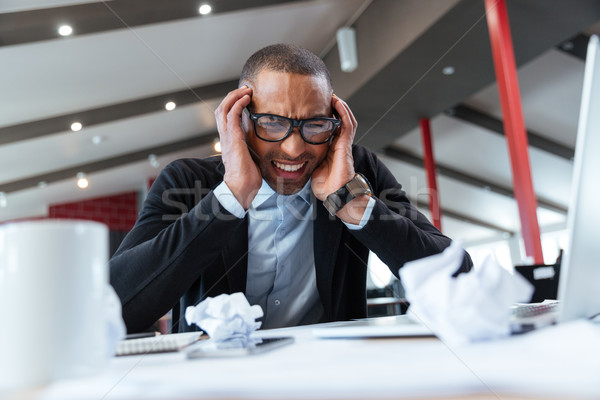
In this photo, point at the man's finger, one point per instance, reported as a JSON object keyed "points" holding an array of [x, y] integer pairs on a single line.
{"points": [[348, 120], [222, 112], [228, 102], [234, 117], [344, 111]]}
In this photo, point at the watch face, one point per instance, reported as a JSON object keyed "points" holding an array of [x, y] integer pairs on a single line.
{"points": [[362, 181]]}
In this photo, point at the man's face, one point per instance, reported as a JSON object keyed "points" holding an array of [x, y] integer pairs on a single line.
{"points": [[287, 165]]}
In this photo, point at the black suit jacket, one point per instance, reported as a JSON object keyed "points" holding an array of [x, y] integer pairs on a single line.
{"points": [[185, 246]]}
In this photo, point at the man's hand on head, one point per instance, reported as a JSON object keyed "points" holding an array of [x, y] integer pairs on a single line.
{"points": [[338, 167], [242, 176]]}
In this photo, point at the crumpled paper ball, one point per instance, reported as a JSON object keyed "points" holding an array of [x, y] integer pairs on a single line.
{"points": [[227, 319], [470, 307]]}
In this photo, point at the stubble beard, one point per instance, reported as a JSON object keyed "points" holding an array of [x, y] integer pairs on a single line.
{"points": [[282, 185]]}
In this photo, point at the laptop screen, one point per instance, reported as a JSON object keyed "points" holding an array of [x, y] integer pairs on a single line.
{"points": [[579, 284]]}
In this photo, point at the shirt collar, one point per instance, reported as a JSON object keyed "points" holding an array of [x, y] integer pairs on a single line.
{"points": [[305, 193], [265, 192]]}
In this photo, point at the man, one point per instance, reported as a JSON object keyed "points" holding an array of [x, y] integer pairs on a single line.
{"points": [[253, 220]]}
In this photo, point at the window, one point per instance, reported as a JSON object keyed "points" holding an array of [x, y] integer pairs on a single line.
{"points": [[498, 249]]}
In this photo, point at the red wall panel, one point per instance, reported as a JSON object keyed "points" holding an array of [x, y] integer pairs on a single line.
{"points": [[119, 212]]}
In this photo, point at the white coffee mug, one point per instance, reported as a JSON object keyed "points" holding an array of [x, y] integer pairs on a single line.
{"points": [[53, 278]]}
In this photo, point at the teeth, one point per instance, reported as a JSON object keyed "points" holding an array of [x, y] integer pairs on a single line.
{"points": [[288, 167]]}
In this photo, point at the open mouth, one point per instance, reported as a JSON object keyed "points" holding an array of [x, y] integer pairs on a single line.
{"points": [[289, 167]]}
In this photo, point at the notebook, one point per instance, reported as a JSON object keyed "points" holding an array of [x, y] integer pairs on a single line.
{"points": [[157, 344]]}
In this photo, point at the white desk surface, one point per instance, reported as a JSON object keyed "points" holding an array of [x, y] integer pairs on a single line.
{"points": [[557, 362]]}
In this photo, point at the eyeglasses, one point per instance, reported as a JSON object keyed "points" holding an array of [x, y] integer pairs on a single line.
{"points": [[275, 128]]}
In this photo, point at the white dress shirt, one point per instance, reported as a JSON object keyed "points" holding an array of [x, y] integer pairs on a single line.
{"points": [[281, 275]]}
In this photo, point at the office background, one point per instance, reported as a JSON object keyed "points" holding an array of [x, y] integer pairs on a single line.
{"points": [[142, 79]]}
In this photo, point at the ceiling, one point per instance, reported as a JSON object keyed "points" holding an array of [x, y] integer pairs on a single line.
{"points": [[127, 58]]}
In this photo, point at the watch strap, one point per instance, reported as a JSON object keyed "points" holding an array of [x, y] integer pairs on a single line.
{"points": [[357, 186]]}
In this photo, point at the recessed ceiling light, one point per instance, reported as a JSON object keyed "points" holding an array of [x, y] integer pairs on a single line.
{"points": [[153, 161], [65, 30], [170, 106], [76, 126], [449, 70], [42, 184], [205, 9], [82, 181], [97, 139], [217, 146]]}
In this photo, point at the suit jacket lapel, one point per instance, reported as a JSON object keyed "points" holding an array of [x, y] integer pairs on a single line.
{"points": [[326, 235], [235, 258]]}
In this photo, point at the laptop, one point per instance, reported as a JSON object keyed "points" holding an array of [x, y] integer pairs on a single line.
{"points": [[580, 267], [579, 282], [392, 326]]}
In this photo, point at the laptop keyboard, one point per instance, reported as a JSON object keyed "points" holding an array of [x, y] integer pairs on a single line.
{"points": [[535, 309]]}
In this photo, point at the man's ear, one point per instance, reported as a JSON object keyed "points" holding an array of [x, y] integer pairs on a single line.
{"points": [[246, 123]]}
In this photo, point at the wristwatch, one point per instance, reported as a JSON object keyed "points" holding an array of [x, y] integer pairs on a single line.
{"points": [[356, 187]]}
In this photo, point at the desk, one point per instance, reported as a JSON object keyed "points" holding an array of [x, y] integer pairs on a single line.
{"points": [[312, 368]]}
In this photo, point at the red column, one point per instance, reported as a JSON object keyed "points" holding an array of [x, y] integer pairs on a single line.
{"points": [[514, 126], [434, 203]]}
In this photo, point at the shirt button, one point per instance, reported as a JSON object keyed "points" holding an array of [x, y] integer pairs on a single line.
{"points": [[277, 302]]}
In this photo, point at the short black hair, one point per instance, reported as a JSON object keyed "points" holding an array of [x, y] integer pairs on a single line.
{"points": [[284, 57]]}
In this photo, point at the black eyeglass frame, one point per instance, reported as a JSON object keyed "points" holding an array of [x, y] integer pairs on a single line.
{"points": [[294, 123]]}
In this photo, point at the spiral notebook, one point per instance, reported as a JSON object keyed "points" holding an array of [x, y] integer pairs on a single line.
{"points": [[158, 344]]}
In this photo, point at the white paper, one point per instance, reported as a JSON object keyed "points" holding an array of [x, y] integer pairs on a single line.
{"points": [[472, 306], [227, 319]]}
